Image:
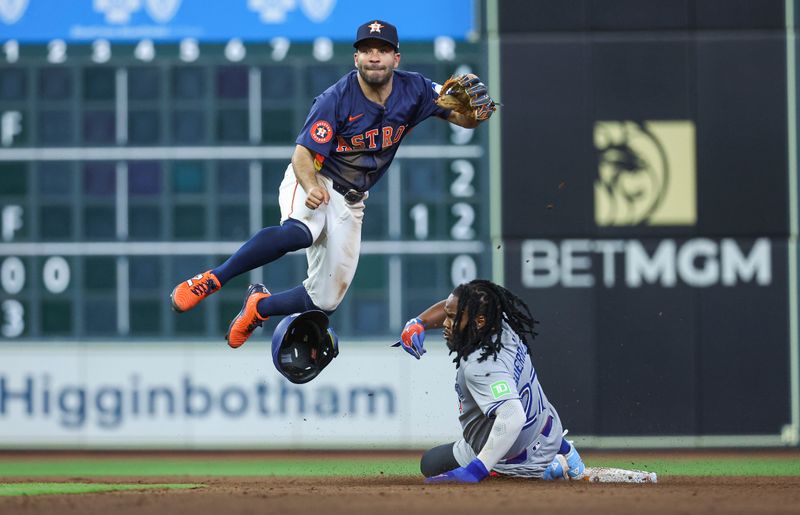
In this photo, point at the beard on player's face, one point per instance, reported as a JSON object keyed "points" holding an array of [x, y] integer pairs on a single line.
{"points": [[375, 61], [457, 337], [467, 337], [375, 75]]}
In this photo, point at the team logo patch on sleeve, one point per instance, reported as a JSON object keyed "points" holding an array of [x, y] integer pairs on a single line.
{"points": [[500, 389], [321, 131]]}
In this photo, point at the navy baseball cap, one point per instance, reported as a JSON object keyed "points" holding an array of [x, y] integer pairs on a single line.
{"points": [[378, 29]]}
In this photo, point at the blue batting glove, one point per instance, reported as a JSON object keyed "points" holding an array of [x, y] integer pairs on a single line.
{"points": [[412, 338], [475, 472]]}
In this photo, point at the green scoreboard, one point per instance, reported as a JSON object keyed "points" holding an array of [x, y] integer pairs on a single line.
{"points": [[125, 168]]}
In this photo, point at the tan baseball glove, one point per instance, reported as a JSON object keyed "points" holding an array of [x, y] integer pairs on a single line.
{"points": [[467, 95]]}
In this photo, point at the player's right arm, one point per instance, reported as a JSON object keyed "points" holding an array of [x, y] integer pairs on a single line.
{"points": [[495, 391], [433, 317], [306, 173], [508, 423], [314, 145]]}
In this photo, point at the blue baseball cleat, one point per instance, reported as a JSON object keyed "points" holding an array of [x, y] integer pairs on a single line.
{"points": [[555, 470], [575, 466], [565, 466]]}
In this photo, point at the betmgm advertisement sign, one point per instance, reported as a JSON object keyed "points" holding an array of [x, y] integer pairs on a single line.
{"points": [[646, 176], [646, 224], [653, 313]]}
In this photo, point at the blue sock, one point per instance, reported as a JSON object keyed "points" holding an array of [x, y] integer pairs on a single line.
{"points": [[564, 449], [287, 302], [264, 247]]}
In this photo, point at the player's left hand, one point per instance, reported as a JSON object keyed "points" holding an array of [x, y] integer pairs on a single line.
{"points": [[475, 472], [482, 104], [466, 94], [412, 338]]}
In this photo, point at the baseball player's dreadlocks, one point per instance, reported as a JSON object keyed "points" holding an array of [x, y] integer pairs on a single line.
{"points": [[496, 304]]}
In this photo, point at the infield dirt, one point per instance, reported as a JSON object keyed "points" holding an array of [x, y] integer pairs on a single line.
{"points": [[407, 495], [386, 495]]}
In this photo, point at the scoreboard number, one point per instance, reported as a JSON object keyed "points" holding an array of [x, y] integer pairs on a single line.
{"points": [[280, 47], [145, 51], [101, 51], [56, 51], [465, 214], [463, 269], [12, 275], [444, 48], [11, 49], [13, 318], [56, 274], [323, 49], [189, 50], [419, 214], [462, 185], [235, 50]]}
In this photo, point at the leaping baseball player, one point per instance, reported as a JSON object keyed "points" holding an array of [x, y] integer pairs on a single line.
{"points": [[349, 140], [508, 424]]}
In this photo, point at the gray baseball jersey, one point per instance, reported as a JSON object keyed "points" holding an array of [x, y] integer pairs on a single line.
{"points": [[483, 386]]}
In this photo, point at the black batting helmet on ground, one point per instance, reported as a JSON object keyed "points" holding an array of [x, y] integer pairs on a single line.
{"points": [[302, 345]]}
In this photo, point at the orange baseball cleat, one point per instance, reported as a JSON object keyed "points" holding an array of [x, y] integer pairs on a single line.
{"points": [[189, 293], [248, 318]]}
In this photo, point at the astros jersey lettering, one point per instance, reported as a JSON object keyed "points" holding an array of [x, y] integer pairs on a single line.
{"points": [[356, 139]]}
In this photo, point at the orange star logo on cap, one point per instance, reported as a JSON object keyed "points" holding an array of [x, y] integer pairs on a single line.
{"points": [[375, 27]]}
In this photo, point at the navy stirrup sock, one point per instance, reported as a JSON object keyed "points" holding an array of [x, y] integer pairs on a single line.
{"points": [[264, 247], [287, 302], [564, 446]]}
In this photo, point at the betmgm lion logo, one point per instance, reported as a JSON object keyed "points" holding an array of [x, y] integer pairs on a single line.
{"points": [[646, 173]]}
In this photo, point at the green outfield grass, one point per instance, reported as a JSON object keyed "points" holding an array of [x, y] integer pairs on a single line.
{"points": [[170, 466], [11, 489], [206, 467]]}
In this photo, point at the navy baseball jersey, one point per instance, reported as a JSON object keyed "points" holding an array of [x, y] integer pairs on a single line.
{"points": [[355, 139]]}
